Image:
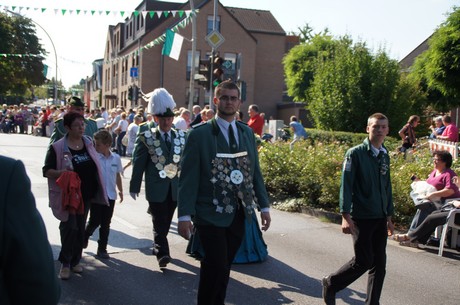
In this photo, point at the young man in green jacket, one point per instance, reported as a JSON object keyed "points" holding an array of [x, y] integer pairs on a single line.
{"points": [[221, 184], [366, 205]]}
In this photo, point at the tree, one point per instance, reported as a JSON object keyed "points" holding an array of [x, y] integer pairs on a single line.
{"points": [[353, 83], [300, 64], [438, 68], [23, 67]]}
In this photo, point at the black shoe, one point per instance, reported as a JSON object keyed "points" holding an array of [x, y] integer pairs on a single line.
{"points": [[164, 261], [85, 242], [328, 294], [103, 254]]}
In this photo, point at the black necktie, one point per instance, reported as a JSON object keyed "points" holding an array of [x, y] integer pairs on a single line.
{"points": [[232, 140], [167, 142]]}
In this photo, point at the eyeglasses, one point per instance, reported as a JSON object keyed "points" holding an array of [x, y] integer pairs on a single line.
{"points": [[226, 98]]}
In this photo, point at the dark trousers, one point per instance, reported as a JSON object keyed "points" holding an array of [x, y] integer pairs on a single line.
{"points": [[220, 246], [162, 215], [72, 236], [120, 147], [100, 215], [423, 232], [369, 243]]}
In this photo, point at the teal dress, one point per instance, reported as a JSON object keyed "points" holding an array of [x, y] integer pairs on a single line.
{"points": [[252, 250]]}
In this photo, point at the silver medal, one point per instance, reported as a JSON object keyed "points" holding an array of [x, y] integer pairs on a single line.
{"points": [[162, 174], [236, 177]]}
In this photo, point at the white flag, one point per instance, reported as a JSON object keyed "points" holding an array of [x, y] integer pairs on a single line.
{"points": [[172, 45]]}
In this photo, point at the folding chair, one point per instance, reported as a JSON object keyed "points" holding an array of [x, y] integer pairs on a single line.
{"points": [[455, 227]]}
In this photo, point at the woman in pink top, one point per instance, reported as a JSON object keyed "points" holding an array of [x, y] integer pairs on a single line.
{"points": [[451, 131], [442, 179]]}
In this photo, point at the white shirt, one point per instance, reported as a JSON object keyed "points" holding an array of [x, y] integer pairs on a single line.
{"points": [[110, 165], [224, 125], [123, 124]]}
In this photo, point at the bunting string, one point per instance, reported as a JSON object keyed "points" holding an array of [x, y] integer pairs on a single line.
{"points": [[95, 12], [20, 55], [155, 42]]}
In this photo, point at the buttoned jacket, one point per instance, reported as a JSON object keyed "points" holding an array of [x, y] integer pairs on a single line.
{"points": [[197, 187], [156, 187]]}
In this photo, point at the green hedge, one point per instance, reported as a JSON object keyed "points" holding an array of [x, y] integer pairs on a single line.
{"points": [[309, 176]]}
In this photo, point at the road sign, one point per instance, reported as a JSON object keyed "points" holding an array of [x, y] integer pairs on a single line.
{"points": [[227, 64], [215, 39], [133, 72]]}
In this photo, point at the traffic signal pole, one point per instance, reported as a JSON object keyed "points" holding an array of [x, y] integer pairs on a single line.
{"points": [[192, 68], [211, 65]]}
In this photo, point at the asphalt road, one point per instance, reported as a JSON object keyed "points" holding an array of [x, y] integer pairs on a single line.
{"points": [[302, 249]]}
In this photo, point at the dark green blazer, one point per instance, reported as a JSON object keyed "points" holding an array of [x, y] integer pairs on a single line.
{"points": [[27, 274], [156, 188], [59, 130], [197, 192]]}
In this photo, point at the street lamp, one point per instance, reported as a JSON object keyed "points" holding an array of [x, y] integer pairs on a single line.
{"points": [[54, 48]]}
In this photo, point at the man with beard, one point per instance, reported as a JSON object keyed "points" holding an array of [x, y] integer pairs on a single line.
{"points": [[220, 185]]}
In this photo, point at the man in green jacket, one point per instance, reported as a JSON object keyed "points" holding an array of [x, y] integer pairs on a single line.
{"points": [[77, 105], [157, 153], [366, 205], [27, 274], [220, 185]]}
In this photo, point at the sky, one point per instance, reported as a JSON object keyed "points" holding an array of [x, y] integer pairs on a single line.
{"points": [[399, 26]]}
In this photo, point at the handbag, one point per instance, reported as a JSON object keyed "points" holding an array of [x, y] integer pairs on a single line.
{"points": [[124, 140]]}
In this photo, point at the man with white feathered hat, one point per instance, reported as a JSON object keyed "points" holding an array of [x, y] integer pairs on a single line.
{"points": [[157, 152]]}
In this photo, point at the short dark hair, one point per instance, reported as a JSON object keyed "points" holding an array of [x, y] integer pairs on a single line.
{"points": [[227, 84], [447, 119], [103, 136], [70, 117], [445, 157], [377, 116]]}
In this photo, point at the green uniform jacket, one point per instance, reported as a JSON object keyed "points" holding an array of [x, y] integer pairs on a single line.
{"points": [[156, 187], [59, 130], [27, 274], [366, 191], [197, 192]]}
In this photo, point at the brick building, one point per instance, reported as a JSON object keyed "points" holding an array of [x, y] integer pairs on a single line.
{"points": [[254, 44]]}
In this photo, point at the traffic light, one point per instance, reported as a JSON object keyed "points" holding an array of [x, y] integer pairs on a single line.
{"points": [[130, 93], [218, 72], [50, 92], [135, 93], [204, 76]]}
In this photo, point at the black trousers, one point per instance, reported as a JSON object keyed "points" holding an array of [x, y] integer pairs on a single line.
{"points": [[100, 215], [369, 242], [162, 215], [72, 236], [220, 246]]}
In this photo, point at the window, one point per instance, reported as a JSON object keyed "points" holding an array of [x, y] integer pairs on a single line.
{"points": [[189, 63], [211, 22]]}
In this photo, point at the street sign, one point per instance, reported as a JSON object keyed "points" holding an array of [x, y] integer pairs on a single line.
{"points": [[133, 72], [215, 39], [227, 64]]}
